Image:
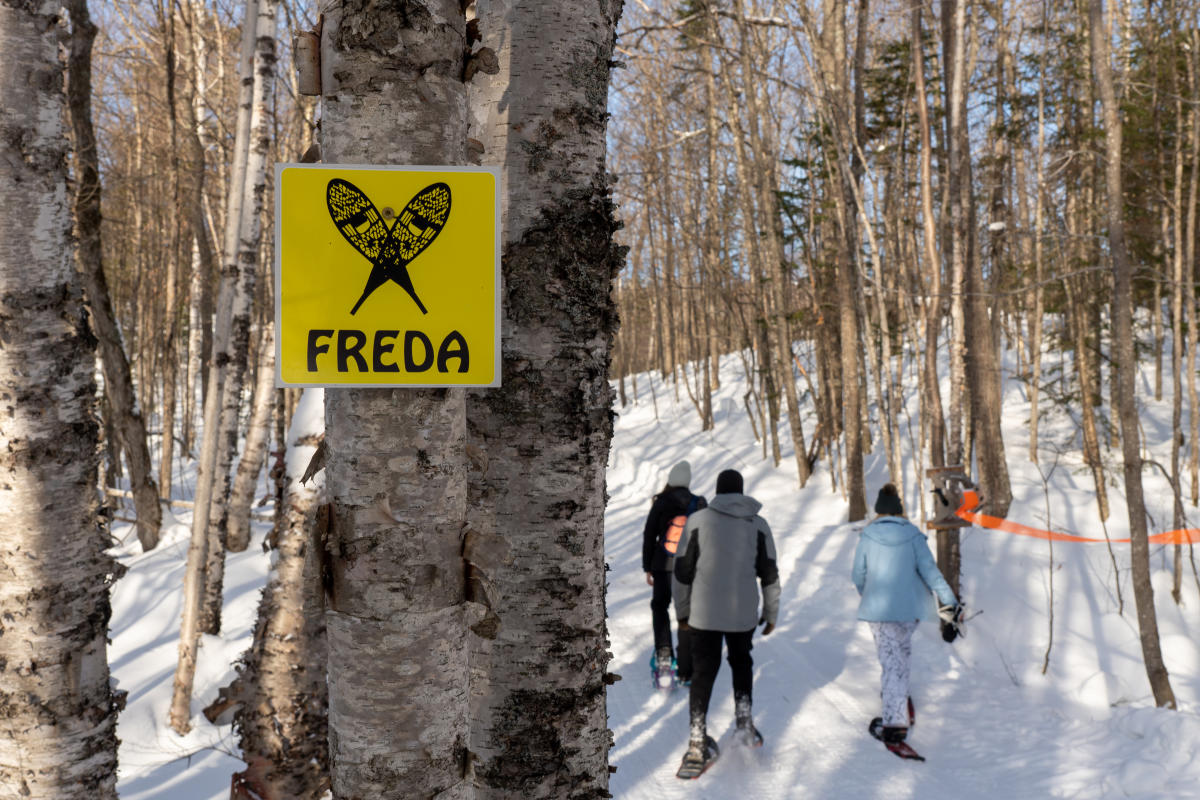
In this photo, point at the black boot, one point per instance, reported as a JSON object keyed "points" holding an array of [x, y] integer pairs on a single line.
{"points": [[887, 734], [747, 734], [702, 750]]}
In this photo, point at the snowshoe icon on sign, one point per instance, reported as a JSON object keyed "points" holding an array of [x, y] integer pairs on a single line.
{"points": [[390, 250]]}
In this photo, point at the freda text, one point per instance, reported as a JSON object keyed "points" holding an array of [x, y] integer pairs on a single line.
{"points": [[386, 353]]}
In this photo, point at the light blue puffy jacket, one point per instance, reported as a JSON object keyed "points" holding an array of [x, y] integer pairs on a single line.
{"points": [[895, 573]]}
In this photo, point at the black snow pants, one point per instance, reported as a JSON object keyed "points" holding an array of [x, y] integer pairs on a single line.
{"points": [[660, 605], [706, 656]]}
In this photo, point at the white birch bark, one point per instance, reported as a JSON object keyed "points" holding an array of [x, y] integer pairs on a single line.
{"points": [[199, 292], [540, 443], [58, 735], [281, 687], [243, 273], [258, 434], [198, 555], [954, 21], [396, 615]]}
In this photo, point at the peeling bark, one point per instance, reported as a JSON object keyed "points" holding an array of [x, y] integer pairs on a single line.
{"points": [[397, 615], [282, 719], [58, 735], [539, 443]]}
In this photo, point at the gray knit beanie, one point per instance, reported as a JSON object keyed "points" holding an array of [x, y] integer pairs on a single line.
{"points": [[680, 475]]}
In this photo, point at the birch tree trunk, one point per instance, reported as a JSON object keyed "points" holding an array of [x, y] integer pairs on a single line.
{"points": [[200, 289], [118, 382], [59, 731], [541, 441], [931, 406], [1125, 363], [282, 721], [258, 435], [954, 33], [396, 611], [243, 274], [195, 576]]}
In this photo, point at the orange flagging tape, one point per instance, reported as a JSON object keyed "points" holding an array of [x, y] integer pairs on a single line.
{"points": [[971, 500]]}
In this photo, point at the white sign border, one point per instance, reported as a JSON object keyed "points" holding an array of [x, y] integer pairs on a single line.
{"points": [[280, 383]]}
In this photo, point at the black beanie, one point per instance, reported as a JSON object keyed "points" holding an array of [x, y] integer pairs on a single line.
{"points": [[889, 502], [729, 482]]}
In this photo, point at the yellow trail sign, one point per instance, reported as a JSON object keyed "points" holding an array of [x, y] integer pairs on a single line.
{"points": [[387, 276]]}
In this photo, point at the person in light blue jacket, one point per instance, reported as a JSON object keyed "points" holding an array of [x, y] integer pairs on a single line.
{"points": [[896, 577]]}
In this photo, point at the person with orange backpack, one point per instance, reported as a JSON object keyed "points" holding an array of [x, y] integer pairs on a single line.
{"points": [[660, 540]]}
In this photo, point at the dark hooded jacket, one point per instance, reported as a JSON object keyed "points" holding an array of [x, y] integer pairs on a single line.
{"points": [[669, 504]]}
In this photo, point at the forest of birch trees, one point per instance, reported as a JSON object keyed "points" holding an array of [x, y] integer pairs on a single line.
{"points": [[850, 195], [826, 186]]}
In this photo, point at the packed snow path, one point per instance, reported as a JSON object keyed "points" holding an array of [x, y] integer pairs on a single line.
{"points": [[990, 725]]}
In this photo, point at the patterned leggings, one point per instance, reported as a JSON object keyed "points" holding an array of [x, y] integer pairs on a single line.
{"points": [[893, 643]]}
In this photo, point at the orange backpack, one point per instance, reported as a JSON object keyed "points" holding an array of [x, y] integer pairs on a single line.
{"points": [[670, 540]]}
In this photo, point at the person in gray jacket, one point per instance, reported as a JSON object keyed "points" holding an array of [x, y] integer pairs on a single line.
{"points": [[896, 576], [725, 553]]}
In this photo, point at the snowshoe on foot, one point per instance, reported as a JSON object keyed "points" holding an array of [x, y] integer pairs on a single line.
{"points": [[893, 739], [904, 751], [748, 735], [698, 758], [662, 667]]}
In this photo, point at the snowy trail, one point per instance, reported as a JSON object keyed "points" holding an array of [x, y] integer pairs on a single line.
{"points": [[992, 725], [816, 687], [989, 723]]}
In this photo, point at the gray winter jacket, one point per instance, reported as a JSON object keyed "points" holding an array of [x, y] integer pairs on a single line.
{"points": [[724, 548]]}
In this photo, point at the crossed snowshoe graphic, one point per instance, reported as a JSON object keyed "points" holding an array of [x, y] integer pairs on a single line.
{"points": [[390, 250]]}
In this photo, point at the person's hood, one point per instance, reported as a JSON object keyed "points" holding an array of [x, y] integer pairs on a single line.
{"points": [[892, 531], [735, 505]]}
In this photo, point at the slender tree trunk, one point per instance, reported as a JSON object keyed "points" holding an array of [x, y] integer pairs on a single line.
{"points": [[958, 198], [245, 275], [1088, 383], [1190, 305], [59, 711], [1035, 325], [931, 407], [535, 545], [258, 435], [168, 371], [195, 576], [118, 382], [200, 291], [1126, 363], [281, 689], [396, 614]]}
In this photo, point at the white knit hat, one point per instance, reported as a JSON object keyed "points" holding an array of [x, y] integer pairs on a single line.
{"points": [[680, 474]]}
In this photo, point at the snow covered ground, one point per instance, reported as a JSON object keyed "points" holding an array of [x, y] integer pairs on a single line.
{"points": [[990, 723]]}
